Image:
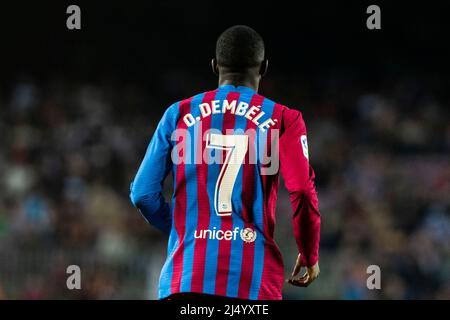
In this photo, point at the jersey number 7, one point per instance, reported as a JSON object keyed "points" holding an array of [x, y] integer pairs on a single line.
{"points": [[236, 147]]}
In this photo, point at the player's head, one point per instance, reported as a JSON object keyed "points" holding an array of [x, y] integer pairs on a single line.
{"points": [[240, 49]]}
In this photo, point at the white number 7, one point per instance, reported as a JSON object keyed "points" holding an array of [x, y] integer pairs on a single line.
{"points": [[236, 147]]}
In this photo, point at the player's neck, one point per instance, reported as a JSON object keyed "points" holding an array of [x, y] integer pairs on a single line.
{"points": [[237, 80]]}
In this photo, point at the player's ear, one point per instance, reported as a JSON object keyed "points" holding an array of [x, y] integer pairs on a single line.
{"points": [[214, 66], [263, 68]]}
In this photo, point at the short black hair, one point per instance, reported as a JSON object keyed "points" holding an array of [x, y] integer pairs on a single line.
{"points": [[239, 48]]}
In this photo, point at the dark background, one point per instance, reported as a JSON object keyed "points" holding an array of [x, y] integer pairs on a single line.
{"points": [[136, 40], [78, 107]]}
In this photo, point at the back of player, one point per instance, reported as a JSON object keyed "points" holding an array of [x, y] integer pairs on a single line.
{"points": [[223, 204], [224, 149]]}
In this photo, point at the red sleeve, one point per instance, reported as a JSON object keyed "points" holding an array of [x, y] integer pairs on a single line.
{"points": [[299, 179]]}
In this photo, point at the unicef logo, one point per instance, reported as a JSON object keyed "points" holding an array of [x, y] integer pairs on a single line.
{"points": [[248, 235]]}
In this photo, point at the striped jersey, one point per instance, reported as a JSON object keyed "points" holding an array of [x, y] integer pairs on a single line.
{"points": [[225, 149]]}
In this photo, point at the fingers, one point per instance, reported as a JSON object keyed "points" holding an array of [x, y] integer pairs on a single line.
{"points": [[306, 282], [297, 267], [303, 281], [310, 275]]}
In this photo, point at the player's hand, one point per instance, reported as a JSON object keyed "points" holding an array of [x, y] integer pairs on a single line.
{"points": [[310, 275]]}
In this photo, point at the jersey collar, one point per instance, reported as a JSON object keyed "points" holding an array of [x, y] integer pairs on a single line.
{"points": [[242, 89]]}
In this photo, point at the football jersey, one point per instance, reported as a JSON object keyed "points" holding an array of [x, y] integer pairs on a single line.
{"points": [[225, 149]]}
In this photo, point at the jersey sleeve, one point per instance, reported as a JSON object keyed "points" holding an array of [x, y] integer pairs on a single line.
{"points": [[299, 179], [146, 188]]}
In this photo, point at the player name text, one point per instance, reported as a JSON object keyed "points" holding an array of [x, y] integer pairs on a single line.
{"points": [[243, 109]]}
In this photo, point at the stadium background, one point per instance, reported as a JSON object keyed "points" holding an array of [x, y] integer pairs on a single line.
{"points": [[77, 110]]}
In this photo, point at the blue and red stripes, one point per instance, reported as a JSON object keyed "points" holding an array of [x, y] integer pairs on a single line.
{"points": [[258, 204], [212, 247], [192, 211], [248, 200], [234, 269], [165, 279], [272, 273], [180, 195], [231, 268], [226, 222], [198, 273]]}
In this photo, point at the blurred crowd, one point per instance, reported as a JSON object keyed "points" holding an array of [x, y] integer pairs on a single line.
{"points": [[68, 152]]}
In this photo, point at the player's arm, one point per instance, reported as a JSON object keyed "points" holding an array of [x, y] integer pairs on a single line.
{"points": [[146, 188], [299, 179]]}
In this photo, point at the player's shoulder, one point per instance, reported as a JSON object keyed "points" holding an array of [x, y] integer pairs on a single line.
{"points": [[288, 115], [291, 116]]}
